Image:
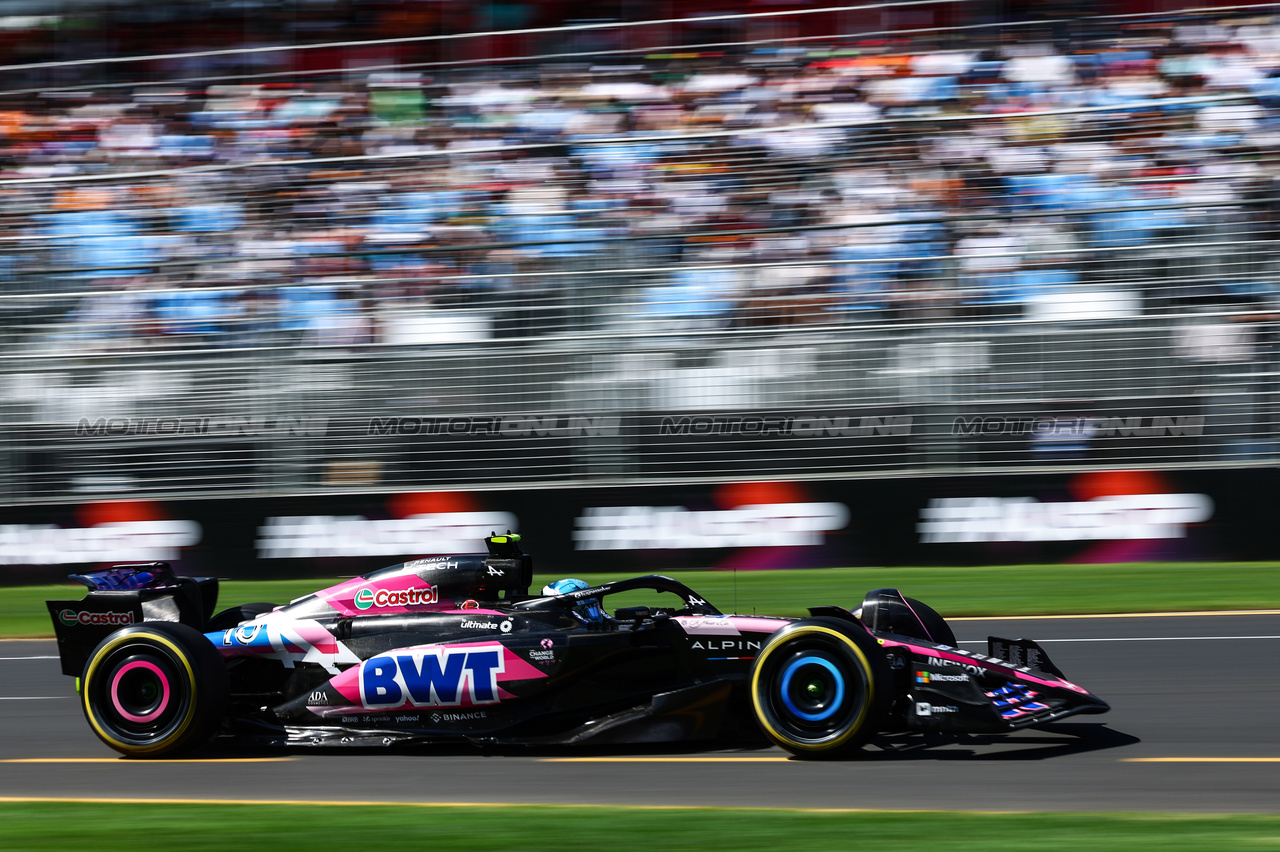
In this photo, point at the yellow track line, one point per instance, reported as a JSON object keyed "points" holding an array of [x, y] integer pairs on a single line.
{"points": [[386, 804], [1116, 615]]}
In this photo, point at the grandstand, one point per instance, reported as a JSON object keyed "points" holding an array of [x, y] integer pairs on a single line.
{"points": [[890, 241]]}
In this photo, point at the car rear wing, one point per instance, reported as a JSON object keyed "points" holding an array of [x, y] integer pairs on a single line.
{"points": [[124, 595]]}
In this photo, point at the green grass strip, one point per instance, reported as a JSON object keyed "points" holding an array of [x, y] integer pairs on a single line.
{"points": [[32, 826], [1000, 590]]}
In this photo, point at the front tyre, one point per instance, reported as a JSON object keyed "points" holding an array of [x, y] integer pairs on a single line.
{"points": [[154, 689], [820, 687]]}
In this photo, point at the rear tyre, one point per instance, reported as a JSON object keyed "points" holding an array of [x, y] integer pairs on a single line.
{"points": [[820, 687], [154, 689]]}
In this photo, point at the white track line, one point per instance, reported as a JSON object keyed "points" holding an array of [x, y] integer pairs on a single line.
{"points": [[1117, 615]]}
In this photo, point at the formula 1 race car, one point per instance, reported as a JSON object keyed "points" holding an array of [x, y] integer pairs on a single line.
{"points": [[454, 648]]}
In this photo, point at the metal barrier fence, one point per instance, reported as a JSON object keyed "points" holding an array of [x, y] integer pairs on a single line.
{"points": [[573, 276], [829, 403]]}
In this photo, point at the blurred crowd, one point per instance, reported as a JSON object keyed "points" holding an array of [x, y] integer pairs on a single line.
{"points": [[893, 178]]}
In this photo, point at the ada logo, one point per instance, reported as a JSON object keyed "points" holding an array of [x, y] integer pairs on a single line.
{"points": [[71, 618], [382, 598], [432, 677]]}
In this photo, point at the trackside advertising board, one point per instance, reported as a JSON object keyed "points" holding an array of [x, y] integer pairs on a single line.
{"points": [[1107, 516]]}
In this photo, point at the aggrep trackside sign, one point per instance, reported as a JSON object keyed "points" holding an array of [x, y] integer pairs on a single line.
{"points": [[1086, 516], [1116, 517]]}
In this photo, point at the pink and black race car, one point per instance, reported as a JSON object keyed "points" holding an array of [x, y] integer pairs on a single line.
{"points": [[455, 649]]}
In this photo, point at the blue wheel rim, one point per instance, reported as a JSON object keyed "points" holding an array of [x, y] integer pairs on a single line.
{"points": [[831, 708]]}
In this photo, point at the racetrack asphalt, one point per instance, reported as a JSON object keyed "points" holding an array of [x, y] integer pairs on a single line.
{"points": [[1192, 728]]}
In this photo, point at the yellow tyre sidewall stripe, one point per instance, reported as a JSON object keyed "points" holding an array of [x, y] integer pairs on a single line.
{"points": [[191, 704], [854, 727]]}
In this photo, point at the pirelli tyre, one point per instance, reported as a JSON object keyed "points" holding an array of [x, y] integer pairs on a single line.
{"points": [[820, 687], [154, 689]]}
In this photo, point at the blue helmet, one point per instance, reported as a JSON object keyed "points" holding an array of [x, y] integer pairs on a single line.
{"points": [[587, 608]]}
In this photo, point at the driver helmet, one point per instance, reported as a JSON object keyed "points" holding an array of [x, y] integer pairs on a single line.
{"points": [[588, 608]]}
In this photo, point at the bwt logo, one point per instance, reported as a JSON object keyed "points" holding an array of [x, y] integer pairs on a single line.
{"points": [[551, 426], [1190, 426], [797, 427], [116, 427], [432, 677]]}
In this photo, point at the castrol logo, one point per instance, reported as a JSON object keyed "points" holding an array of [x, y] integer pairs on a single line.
{"points": [[71, 618], [367, 598]]}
